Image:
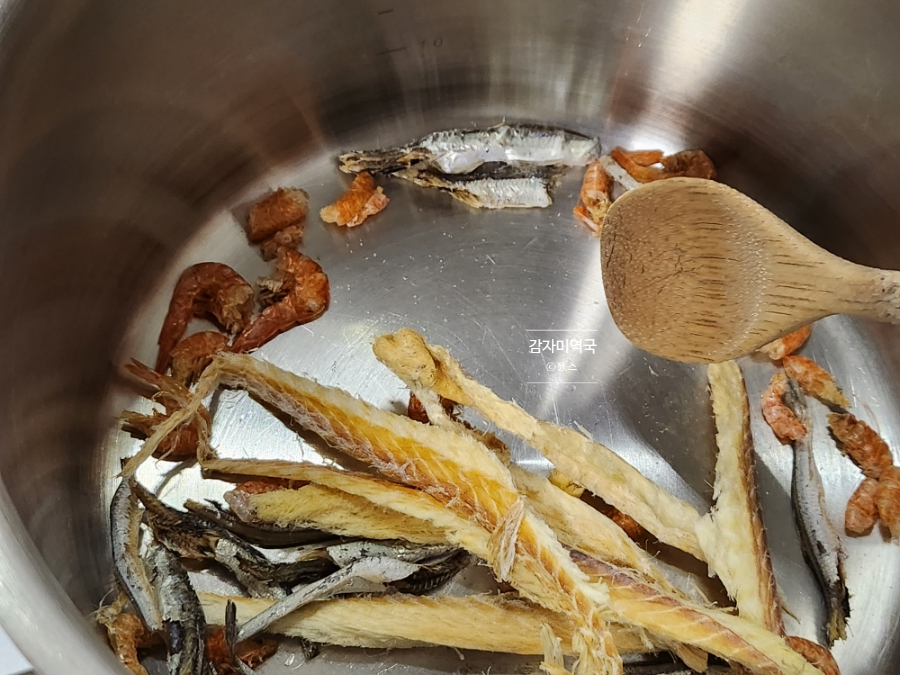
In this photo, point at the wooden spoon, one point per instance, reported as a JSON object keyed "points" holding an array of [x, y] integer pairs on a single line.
{"points": [[696, 271]]}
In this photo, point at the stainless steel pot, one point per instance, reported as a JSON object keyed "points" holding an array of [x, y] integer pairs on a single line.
{"points": [[131, 133]]}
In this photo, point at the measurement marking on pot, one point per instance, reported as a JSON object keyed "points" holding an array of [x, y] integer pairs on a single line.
{"points": [[391, 51], [560, 382]]}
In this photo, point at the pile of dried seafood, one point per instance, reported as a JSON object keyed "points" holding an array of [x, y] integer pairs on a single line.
{"points": [[363, 556]]}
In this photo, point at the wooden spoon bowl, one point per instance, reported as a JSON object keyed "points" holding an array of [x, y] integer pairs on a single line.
{"points": [[696, 271]]}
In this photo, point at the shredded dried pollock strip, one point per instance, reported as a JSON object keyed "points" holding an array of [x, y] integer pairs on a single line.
{"points": [[486, 623], [576, 524], [456, 470], [639, 603], [331, 510], [732, 534], [424, 366], [729, 637]]}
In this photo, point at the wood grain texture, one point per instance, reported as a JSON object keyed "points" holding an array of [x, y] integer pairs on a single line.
{"points": [[696, 271]]}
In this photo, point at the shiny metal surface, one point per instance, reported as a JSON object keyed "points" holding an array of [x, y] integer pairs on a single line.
{"points": [[134, 135]]}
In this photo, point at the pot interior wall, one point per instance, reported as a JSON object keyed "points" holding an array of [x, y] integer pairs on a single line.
{"points": [[127, 127]]}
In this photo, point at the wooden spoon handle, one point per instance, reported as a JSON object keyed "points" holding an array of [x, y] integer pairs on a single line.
{"points": [[874, 295]]}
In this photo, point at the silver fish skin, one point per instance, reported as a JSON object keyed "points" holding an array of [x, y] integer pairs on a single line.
{"points": [[818, 536], [618, 174], [463, 151], [184, 626], [191, 536], [366, 575], [258, 533], [125, 514], [344, 554], [434, 573], [528, 192], [460, 151]]}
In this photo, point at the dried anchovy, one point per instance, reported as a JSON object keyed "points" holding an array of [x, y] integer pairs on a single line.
{"points": [[496, 187], [366, 575], [125, 514], [819, 538], [184, 625], [266, 535], [192, 537], [344, 554], [435, 574], [460, 151]]}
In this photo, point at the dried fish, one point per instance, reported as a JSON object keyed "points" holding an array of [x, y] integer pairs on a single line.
{"points": [[474, 486], [462, 151], [257, 532], [366, 575], [344, 554], [504, 188], [498, 623], [329, 510], [434, 573], [125, 514], [819, 538], [422, 451], [595, 466], [638, 603], [182, 615], [732, 534], [720, 633], [192, 537]]}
